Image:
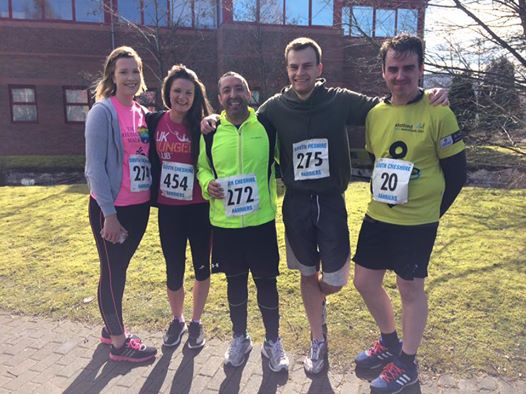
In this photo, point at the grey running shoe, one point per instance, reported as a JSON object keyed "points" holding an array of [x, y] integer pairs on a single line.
{"points": [[174, 333], [196, 335], [238, 349], [277, 358], [316, 359]]}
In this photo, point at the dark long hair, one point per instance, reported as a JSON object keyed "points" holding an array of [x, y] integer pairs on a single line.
{"points": [[199, 109]]}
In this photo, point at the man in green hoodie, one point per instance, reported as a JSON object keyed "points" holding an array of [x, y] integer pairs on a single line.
{"points": [[310, 120]]}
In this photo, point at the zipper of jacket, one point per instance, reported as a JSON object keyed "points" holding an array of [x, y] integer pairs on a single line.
{"points": [[240, 158]]}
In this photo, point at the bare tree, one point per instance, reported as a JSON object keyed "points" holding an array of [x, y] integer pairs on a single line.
{"points": [[494, 31]]}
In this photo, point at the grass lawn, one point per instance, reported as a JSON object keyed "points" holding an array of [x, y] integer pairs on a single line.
{"points": [[476, 287]]}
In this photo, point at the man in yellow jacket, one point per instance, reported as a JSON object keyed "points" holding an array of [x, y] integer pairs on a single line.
{"points": [[236, 173]]}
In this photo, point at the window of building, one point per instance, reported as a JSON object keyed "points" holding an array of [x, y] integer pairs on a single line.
{"points": [[182, 15], [361, 21], [89, 11], [130, 10], [155, 12], [297, 12], [271, 11], [254, 99], [76, 102], [244, 10], [385, 23], [407, 21], [322, 12], [27, 9], [205, 14], [59, 9], [23, 104], [4, 8]]}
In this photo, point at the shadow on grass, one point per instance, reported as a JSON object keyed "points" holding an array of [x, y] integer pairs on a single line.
{"points": [[508, 265], [99, 372]]}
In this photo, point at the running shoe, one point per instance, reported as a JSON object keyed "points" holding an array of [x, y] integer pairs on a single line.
{"points": [[240, 346], [394, 378], [174, 333], [277, 358], [376, 356], [196, 335], [133, 351], [315, 361], [105, 337]]}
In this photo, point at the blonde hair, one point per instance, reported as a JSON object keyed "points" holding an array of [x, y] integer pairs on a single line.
{"points": [[105, 86]]}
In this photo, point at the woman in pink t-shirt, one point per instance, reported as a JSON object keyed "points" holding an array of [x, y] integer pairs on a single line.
{"points": [[183, 213], [118, 175]]}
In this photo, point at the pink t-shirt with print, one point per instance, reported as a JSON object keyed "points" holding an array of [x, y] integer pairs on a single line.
{"points": [[136, 176], [174, 148]]}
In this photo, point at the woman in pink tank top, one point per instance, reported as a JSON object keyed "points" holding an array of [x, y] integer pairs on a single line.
{"points": [[183, 213], [118, 175]]}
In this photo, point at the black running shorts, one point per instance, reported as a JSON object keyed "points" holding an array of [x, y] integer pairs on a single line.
{"points": [[254, 249], [403, 249], [316, 230]]}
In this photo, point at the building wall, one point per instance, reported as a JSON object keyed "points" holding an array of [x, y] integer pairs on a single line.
{"points": [[51, 55]]}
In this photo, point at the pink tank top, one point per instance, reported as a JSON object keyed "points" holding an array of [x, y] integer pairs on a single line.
{"points": [[136, 177], [178, 184]]}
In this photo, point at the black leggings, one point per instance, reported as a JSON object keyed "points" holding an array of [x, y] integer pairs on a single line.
{"points": [[268, 302], [115, 258], [177, 223]]}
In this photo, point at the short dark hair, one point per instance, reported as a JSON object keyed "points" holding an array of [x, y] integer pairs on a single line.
{"points": [[302, 43], [403, 43], [235, 75]]}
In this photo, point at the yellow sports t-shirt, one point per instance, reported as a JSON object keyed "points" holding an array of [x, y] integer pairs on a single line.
{"points": [[421, 134]]}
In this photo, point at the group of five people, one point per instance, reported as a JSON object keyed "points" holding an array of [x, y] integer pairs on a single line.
{"points": [[213, 181]]}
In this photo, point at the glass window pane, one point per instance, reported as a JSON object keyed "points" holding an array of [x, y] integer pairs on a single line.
{"points": [[23, 95], [244, 10], [407, 21], [182, 13], [361, 21], [4, 8], [58, 9], [322, 12], [89, 11], [76, 113], [271, 11], [130, 10], [27, 9], [297, 12], [76, 96], [346, 20], [254, 99], [385, 23], [155, 12], [205, 14], [24, 113]]}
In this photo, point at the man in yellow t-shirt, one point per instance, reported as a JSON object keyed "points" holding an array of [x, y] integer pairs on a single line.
{"points": [[419, 169]]}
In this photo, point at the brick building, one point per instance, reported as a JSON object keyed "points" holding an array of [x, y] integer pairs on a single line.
{"points": [[51, 52]]}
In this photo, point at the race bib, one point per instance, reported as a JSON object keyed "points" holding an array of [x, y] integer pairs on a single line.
{"points": [[177, 181], [311, 159], [140, 178], [391, 180], [241, 194]]}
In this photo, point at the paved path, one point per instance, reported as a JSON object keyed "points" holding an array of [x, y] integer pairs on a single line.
{"points": [[43, 356]]}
